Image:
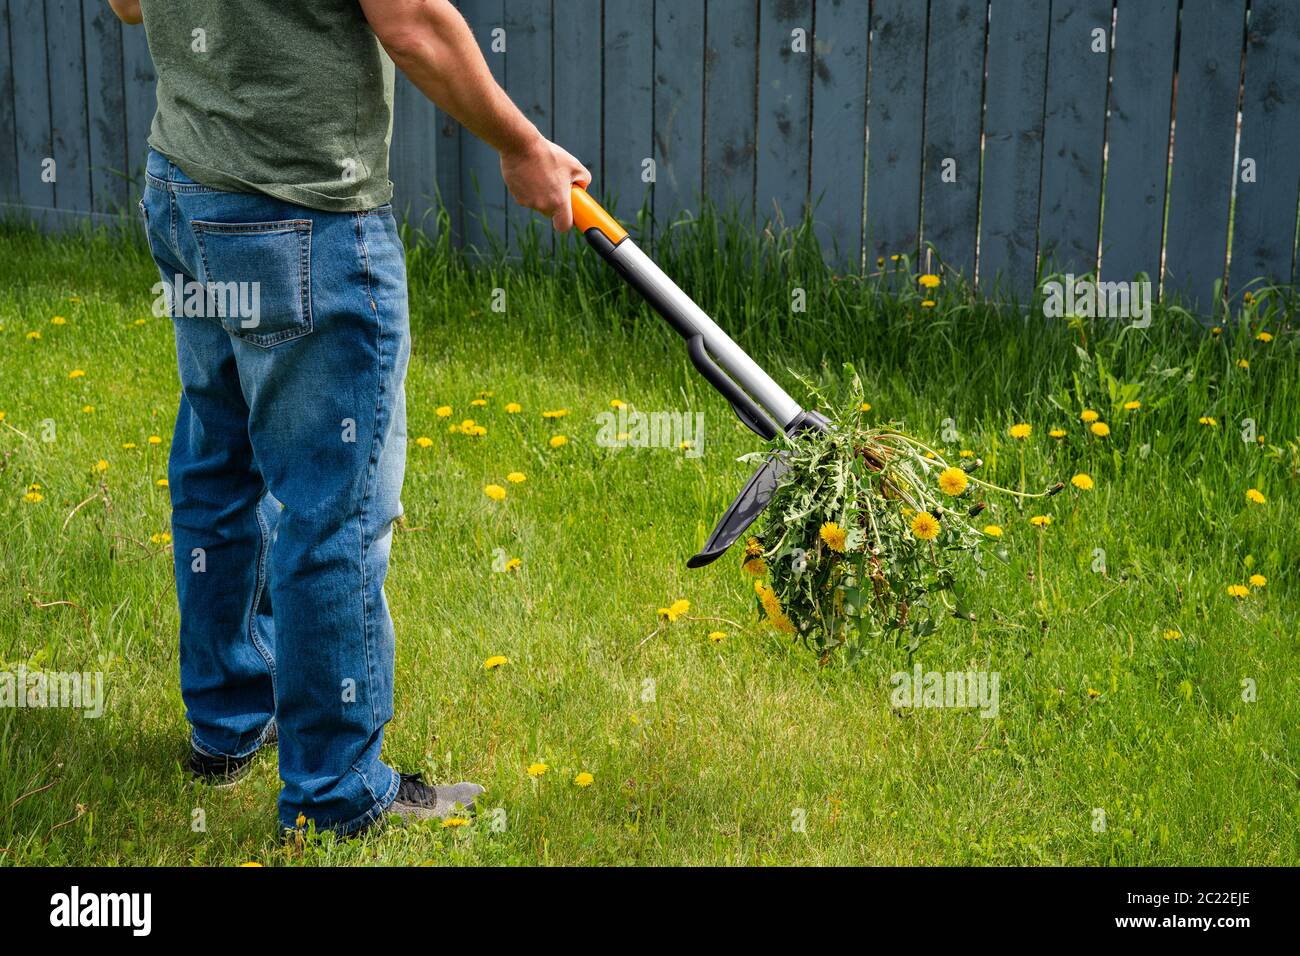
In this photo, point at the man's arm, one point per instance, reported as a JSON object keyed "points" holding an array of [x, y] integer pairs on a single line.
{"points": [[430, 42], [128, 11]]}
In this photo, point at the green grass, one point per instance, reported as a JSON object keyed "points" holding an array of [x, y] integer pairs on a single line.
{"points": [[701, 752]]}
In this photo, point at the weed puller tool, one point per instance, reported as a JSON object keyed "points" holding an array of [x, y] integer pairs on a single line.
{"points": [[757, 400]]}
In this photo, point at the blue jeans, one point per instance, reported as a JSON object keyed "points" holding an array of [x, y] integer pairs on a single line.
{"points": [[286, 471]]}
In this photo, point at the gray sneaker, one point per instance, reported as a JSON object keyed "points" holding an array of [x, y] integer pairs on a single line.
{"points": [[417, 800]]}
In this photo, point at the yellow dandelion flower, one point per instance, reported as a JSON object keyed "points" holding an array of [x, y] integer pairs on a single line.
{"points": [[1242, 363], [1264, 336], [865, 407], [753, 548], [684, 446], [1057, 433], [556, 413], [927, 303], [454, 823], [535, 770], [33, 498], [1100, 429], [33, 336], [513, 564], [1216, 331], [1258, 580], [925, 526], [128, 445], [993, 530], [1089, 416], [1209, 421], [495, 661], [617, 403], [453, 428], [558, 440], [966, 453], [478, 431], [834, 536], [1172, 635], [1021, 431], [301, 821], [516, 477], [161, 483], [467, 424], [513, 408], [1093, 693], [583, 779], [717, 637], [88, 409], [1082, 481], [424, 441], [495, 492], [1132, 406], [77, 373], [755, 566], [952, 481], [1238, 590], [1254, 496], [155, 440], [101, 465], [58, 320], [161, 537], [1040, 521], [443, 411], [479, 403], [929, 281]]}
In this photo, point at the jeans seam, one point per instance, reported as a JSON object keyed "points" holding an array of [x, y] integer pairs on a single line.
{"points": [[365, 496], [263, 556]]}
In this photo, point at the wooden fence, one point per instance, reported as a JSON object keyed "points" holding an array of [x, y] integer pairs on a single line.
{"points": [[1010, 136]]}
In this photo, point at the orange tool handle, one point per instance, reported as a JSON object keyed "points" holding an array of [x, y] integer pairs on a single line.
{"points": [[589, 214]]}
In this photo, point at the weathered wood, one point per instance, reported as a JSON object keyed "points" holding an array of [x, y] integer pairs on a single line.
{"points": [[784, 91], [69, 116], [1209, 67], [839, 126], [1138, 138], [106, 98], [1263, 234], [1074, 129], [31, 85], [895, 108], [679, 110], [528, 81], [139, 80], [731, 105], [628, 120], [954, 86], [1013, 146], [482, 191], [413, 155], [8, 136]]}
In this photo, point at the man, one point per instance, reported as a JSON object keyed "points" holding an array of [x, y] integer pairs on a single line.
{"points": [[267, 183]]}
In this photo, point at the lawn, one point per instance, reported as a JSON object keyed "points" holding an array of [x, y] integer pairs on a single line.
{"points": [[1146, 715]]}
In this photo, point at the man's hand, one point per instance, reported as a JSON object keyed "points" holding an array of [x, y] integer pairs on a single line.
{"points": [[540, 176], [430, 42], [128, 11]]}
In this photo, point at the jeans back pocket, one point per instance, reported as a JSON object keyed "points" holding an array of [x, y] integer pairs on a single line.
{"points": [[257, 276]]}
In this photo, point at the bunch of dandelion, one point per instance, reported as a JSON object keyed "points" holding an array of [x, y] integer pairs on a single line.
{"points": [[863, 536]]}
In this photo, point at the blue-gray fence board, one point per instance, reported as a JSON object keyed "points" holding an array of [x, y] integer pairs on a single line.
{"points": [[628, 120], [839, 125], [1210, 39], [138, 80], [8, 146], [31, 102], [784, 74], [679, 109], [954, 91], [413, 154], [1013, 144], [69, 110], [106, 93], [482, 192], [1074, 130], [895, 108], [1138, 137], [1058, 132], [528, 81], [1270, 139], [730, 83]]}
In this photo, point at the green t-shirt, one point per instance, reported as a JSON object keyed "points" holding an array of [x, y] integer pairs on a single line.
{"points": [[292, 98]]}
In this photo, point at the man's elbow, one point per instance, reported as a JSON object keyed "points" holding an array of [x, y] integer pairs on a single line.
{"points": [[128, 11]]}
